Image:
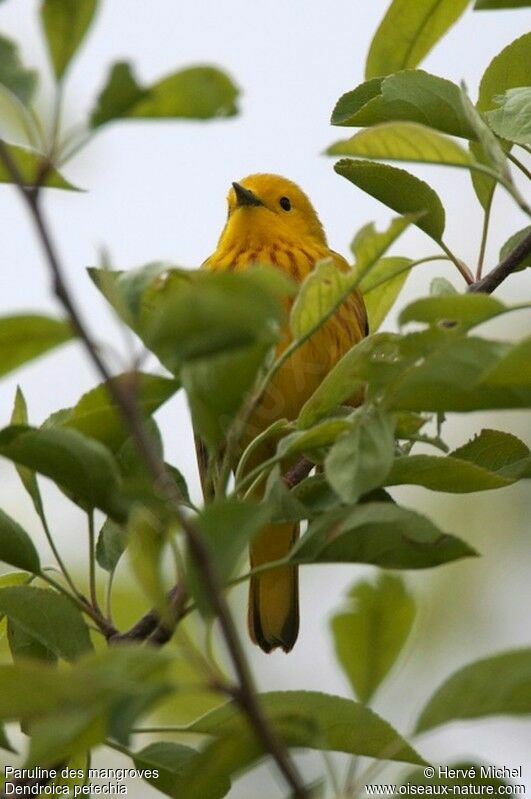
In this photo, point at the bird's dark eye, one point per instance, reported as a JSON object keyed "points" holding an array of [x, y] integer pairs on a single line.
{"points": [[285, 203]]}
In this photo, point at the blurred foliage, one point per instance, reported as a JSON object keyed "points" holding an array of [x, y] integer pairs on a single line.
{"points": [[68, 676]]}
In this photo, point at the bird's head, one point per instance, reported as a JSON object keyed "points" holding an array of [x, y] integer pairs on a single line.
{"points": [[268, 208]]}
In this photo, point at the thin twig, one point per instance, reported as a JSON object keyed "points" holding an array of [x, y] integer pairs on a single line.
{"points": [[491, 281], [244, 692]]}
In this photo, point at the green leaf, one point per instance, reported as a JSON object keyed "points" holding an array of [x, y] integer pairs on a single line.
{"points": [[16, 547], [146, 540], [339, 725], [171, 761], [361, 458], [24, 337], [466, 776], [512, 243], [462, 310], [65, 24], [379, 533], [84, 468], [492, 153], [511, 120], [408, 32], [110, 546], [19, 416], [409, 96], [228, 526], [493, 686], [496, 451], [512, 369], [491, 5], [440, 287], [510, 69], [30, 166], [201, 92], [371, 630], [399, 190], [23, 645], [404, 141], [381, 287], [48, 617], [457, 475], [213, 329], [464, 374], [97, 416], [19, 81]]}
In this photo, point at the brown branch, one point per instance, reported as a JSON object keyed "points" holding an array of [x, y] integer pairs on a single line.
{"points": [[245, 693], [298, 472], [511, 262]]}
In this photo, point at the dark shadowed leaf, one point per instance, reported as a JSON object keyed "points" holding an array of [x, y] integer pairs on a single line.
{"points": [[371, 630], [399, 190], [200, 92], [338, 724], [84, 468], [48, 617], [65, 24], [498, 685], [408, 96], [16, 547], [25, 337], [19, 81], [408, 32], [379, 533], [30, 165]]}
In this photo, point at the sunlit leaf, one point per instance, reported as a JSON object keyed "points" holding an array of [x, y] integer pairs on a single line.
{"points": [[371, 630], [404, 141], [408, 32]]}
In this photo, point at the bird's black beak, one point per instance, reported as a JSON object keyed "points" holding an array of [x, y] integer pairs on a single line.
{"points": [[245, 196]]}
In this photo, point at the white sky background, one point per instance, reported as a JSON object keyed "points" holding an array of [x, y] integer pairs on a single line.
{"points": [[157, 192]]}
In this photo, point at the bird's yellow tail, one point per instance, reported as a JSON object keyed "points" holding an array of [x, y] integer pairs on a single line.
{"points": [[274, 595]]}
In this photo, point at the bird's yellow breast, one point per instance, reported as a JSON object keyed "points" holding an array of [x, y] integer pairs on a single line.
{"points": [[292, 241]]}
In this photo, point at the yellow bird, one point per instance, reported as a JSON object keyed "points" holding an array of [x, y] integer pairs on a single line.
{"points": [[272, 221]]}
